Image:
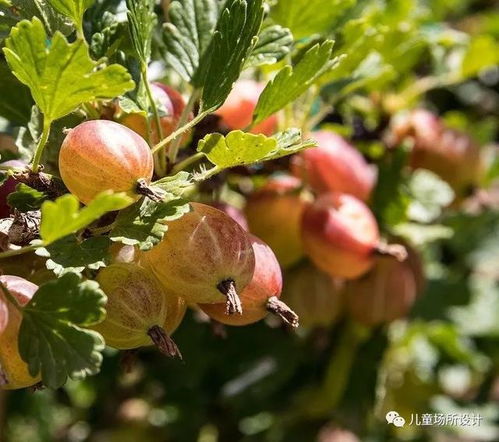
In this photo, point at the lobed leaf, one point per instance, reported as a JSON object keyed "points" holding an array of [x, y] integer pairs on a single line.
{"points": [[60, 75], [291, 82], [63, 216], [74, 9], [143, 224], [51, 338], [141, 22], [26, 198], [241, 148]]}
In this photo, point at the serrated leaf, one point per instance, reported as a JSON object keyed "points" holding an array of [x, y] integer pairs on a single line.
{"points": [[74, 9], [176, 184], [71, 255], [63, 216], [141, 22], [308, 17], [105, 41], [291, 82], [274, 43], [61, 76], [16, 10], [233, 40], [51, 339], [26, 198], [188, 34], [143, 224], [241, 148]]}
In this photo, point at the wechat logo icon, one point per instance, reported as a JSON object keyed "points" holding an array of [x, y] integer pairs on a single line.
{"points": [[392, 417]]}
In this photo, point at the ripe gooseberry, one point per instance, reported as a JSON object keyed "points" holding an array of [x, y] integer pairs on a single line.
{"points": [[101, 155], [14, 372], [340, 235], [205, 257], [386, 293], [139, 311], [171, 102], [261, 295], [237, 111], [334, 166], [236, 214], [316, 297], [274, 213]]}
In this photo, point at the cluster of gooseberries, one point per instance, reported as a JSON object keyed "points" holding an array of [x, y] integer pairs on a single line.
{"points": [[313, 223]]}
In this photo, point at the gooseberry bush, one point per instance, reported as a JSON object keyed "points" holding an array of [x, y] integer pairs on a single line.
{"points": [[286, 175]]}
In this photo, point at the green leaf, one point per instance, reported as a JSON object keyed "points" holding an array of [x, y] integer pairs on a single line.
{"points": [[430, 196], [74, 9], [274, 43], [241, 148], [105, 41], [26, 198], [61, 75], [233, 41], [482, 53], [188, 34], [16, 101], [51, 339], [71, 255], [143, 224], [63, 216], [16, 10], [141, 23], [291, 82], [175, 185], [308, 17]]}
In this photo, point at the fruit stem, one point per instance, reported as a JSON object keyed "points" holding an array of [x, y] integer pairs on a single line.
{"points": [[279, 308], [397, 251], [41, 144], [142, 188], [182, 126], [233, 303], [160, 159], [184, 116], [187, 162], [19, 251], [165, 344]]}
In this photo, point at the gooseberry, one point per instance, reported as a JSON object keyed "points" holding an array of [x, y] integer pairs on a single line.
{"points": [[169, 101], [261, 295], [101, 155], [316, 297], [334, 166], [237, 111], [274, 213], [340, 235], [140, 312], [204, 257], [384, 294], [14, 372]]}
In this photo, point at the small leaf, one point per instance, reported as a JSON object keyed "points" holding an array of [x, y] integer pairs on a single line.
{"points": [[241, 148], [143, 224], [26, 198], [176, 184], [70, 255], [291, 82], [105, 41], [63, 217], [74, 9], [50, 70], [51, 339], [274, 43], [141, 23], [233, 40], [188, 34]]}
